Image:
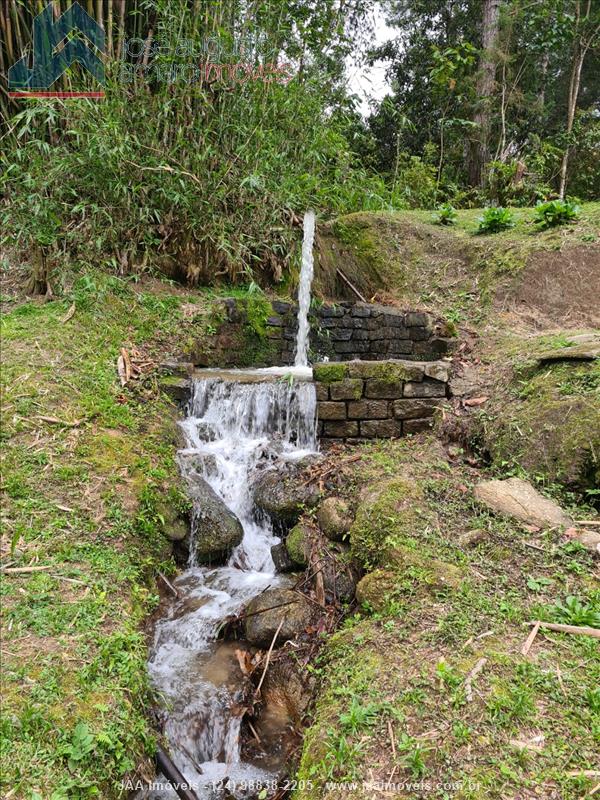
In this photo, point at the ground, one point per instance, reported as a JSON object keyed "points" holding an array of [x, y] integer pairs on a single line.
{"points": [[395, 704], [88, 465]]}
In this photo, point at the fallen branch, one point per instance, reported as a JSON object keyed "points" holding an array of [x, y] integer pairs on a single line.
{"points": [[350, 285], [530, 639], [262, 677], [578, 630], [469, 679], [64, 423], [177, 780], [19, 570], [169, 585]]}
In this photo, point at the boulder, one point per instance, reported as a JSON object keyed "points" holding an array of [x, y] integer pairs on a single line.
{"points": [[429, 572], [334, 518], [518, 499], [296, 611], [215, 529], [340, 576], [284, 496], [589, 539]]}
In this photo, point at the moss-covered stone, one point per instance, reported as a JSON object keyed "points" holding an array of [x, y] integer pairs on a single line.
{"points": [[298, 544], [375, 588], [329, 372], [428, 571], [388, 516], [386, 371]]}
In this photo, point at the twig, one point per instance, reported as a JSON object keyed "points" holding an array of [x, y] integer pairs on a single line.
{"points": [[469, 679], [589, 522], [350, 285], [169, 585], [560, 680], [262, 677], [578, 630], [530, 639], [392, 740], [18, 570], [254, 733]]}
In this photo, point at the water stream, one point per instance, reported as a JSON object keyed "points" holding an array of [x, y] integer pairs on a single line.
{"points": [[306, 276], [236, 425]]}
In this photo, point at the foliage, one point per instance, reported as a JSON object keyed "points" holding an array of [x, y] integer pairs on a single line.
{"points": [[495, 219], [445, 214], [574, 612], [556, 212]]}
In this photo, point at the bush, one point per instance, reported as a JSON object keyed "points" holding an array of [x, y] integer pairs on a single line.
{"points": [[556, 212], [495, 219], [445, 215]]}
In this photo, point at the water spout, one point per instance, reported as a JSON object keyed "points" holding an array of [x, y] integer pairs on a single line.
{"points": [[306, 276]]}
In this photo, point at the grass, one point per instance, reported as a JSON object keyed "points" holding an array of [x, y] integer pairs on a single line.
{"points": [[86, 466], [401, 711]]}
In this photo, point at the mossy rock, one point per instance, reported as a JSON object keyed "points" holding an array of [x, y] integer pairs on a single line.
{"points": [[386, 371], [375, 588], [428, 571], [298, 544], [334, 518], [329, 372], [394, 512]]}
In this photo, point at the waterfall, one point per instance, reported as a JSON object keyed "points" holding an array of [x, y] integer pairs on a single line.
{"points": [[231, 430], [306, 276]]}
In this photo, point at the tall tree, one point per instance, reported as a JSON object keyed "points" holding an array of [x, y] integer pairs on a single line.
{"points": [[478, 152]]}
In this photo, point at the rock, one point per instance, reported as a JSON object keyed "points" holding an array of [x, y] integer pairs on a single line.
{"points": [[295, 610], [334, 518], [517, 498], [298, 544], [471, 538], [176, 387], [431, 573], [587, 351], [215, 529], [284, 495], [340, 577], [375, 588], [281, 558]]}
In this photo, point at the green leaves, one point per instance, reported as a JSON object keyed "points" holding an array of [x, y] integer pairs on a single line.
{"points": [[575, 612], [556, 212], [495, 219]]}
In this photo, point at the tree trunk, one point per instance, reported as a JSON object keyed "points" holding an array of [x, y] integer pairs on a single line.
{"points": [[479, 146]]}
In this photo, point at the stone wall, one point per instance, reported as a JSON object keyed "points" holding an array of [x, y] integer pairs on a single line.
{"points": [[383, 399], [360, 331]]}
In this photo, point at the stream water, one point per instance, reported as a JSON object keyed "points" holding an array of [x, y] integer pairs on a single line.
{"points": [[236, 425]]}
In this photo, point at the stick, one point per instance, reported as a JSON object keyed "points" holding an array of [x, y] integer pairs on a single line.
{"points": [[575, 629], [469, 679], [392, 742], [254, 733], [347, 282], [589, 522], [262, 677], [174, 776], [18, 570], [530, 639], [169, 585]]}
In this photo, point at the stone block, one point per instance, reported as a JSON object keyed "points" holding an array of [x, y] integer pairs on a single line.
{"points": [[340, 430], [400, 347], [418, 319], [394, 319], [418, 334], [275, 321], [389, 370], [361, 334], [322, 391], [417, 425], [426, 388], [361, 310], [351, 347], [331, 311], [348, 389], [329, 410], [415, 409], [368, 409], [329, 371], [383, 390], [380, 428], [438, 370], [341, 334], [281, 307]]}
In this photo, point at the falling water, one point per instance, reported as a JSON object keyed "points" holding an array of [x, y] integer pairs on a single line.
{"points": [[306, 276], [232, 431]]}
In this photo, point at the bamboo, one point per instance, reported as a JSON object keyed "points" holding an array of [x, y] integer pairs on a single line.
{"points": [[109, 29]]}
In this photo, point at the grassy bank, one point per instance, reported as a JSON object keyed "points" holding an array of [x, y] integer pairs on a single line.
{"points": [[86, 464]]}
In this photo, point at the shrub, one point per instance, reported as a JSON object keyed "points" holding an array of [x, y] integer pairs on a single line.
{"points": [[445, 214], [495, 219], [556, 212]]}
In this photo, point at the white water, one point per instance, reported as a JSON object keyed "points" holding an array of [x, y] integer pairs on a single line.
{"points": [[306, 276], [232, 430]]}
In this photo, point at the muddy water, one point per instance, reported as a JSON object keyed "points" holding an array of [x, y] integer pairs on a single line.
{"points": [[233, 430]]}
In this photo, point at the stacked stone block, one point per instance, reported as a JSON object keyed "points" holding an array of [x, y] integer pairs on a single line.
{"points": [[382, 399]]}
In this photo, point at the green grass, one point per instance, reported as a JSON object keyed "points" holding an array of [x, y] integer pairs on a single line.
{"points": [[394, 696], [86, 465]]}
